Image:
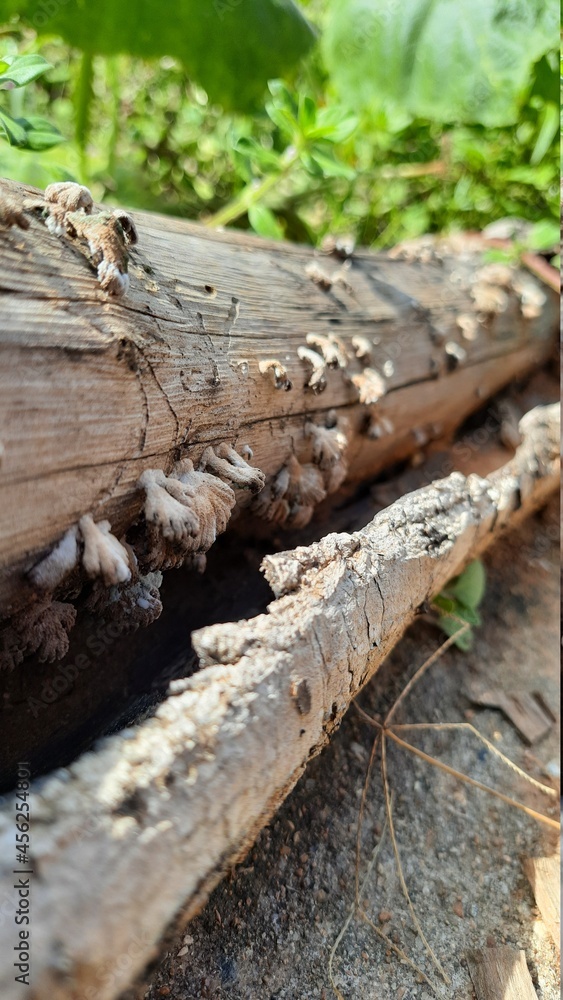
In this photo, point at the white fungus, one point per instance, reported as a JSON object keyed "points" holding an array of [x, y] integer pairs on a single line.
{"points": [[317, 378], [52, 570], [277, 371], [330, 347], [103, 554], [370, 385]]}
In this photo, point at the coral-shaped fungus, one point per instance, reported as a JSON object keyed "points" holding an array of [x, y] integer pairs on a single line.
{"points": [[330, 347], [131, 605], [42, 628], [329, 449], [108, 234], [277, 371], [370, 385], [226, 463], [184, 513], [63, 197], [292, 495]]}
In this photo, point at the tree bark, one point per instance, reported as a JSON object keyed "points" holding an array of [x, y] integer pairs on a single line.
{"points": [[151, 821], [96, 389]]}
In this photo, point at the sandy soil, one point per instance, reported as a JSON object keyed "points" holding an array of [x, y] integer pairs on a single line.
{"points": [[267, 931]]}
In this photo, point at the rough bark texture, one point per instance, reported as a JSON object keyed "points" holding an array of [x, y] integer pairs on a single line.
{"points": [[95, 389], [128, 834]]}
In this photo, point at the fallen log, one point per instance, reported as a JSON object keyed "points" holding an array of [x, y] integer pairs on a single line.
{"points": [[127, 835], [224, 347]]}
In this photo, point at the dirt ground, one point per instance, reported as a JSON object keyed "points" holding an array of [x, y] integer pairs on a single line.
{"points": [[267, 930]]}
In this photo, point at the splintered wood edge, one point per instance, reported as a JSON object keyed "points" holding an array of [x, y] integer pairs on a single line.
{"points": [[500, 974], [149, 821], [544, 877]]}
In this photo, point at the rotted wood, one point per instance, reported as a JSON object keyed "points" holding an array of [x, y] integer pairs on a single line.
{"points": [[95, 389], [153, 819]]}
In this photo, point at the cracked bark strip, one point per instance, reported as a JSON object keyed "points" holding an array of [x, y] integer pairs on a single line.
{"points": [[224, 339], [160, 810]]}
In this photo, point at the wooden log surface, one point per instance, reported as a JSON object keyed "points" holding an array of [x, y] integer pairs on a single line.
{"points": [[500, 974], [95, 389], [128, 834]]}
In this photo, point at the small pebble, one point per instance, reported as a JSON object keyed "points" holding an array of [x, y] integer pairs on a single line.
{"points": [[384, 916], [553, 768]]}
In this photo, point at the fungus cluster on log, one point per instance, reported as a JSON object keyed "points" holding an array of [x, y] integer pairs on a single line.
{"points": [[164, 507]]}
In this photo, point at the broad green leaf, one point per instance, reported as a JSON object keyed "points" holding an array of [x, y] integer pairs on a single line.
{"points": [[12, 130], [29, 133], [20, 70], [446, 60], [40, 134], [264, 222], [231, 47], [469, 587]]}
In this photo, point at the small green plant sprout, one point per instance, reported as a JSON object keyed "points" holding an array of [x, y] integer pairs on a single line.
{"points": [[26, 133], [458, 602], [308, 133]]}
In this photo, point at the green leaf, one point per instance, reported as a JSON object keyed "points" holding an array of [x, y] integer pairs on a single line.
{"points": [[544, 235], [446, 60], [334, 125], [469, 587], [12, 130], [451, 627], [20, 70], [29, 133], [264, 222], [330, 167], [548, 130], [232, 48], [40, 134]]}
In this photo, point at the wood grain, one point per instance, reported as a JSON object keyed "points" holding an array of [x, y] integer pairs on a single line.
{"points": [[94, 390], [150, 822], [544, 875], [500, 974]]}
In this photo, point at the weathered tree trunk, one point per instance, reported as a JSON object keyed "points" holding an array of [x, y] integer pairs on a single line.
{"points": [[150, 822], [95, 389]]}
